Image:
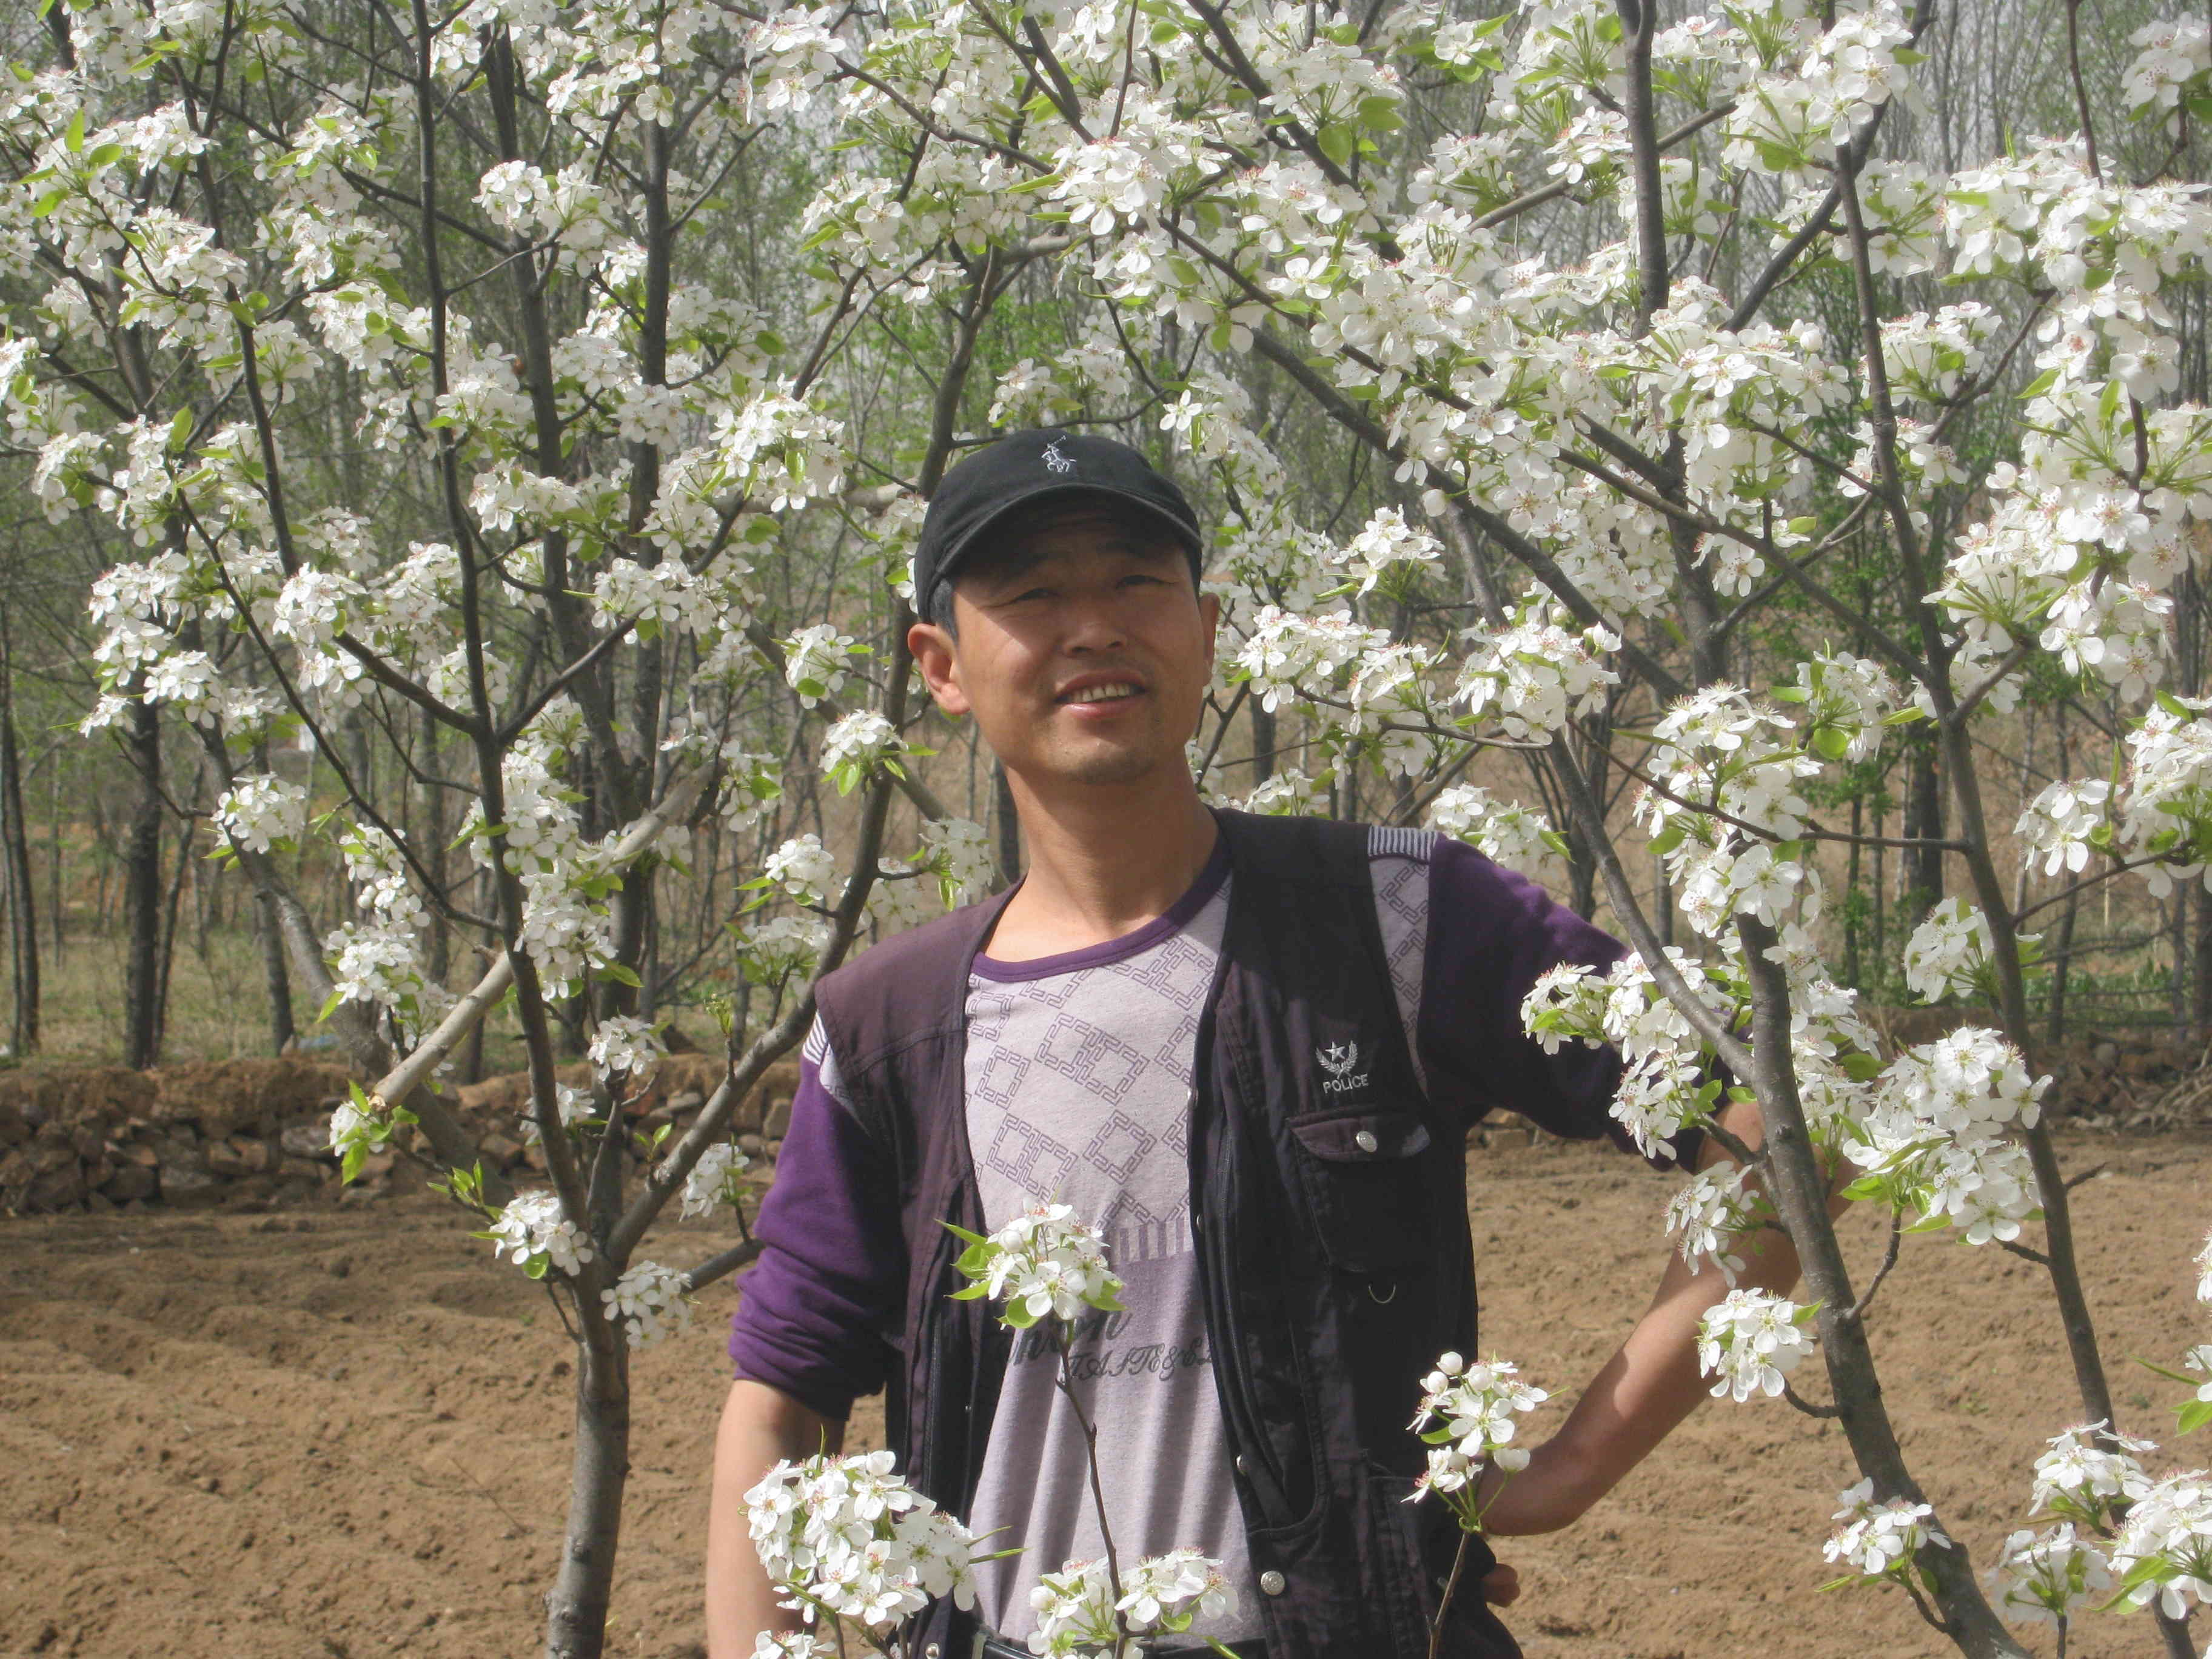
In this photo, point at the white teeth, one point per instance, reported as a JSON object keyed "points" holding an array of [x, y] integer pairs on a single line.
{"points": [[1102, 693]]}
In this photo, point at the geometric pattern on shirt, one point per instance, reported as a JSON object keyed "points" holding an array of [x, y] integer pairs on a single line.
{"points": [[1079, 1051], [1400, 865], [1025, 1155], [1079, 1088]]}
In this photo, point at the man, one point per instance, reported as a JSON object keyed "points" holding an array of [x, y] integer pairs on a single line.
{"points": [[1247, 1050]]}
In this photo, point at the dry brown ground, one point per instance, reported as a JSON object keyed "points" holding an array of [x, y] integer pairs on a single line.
{"points": [[342, 1432]]}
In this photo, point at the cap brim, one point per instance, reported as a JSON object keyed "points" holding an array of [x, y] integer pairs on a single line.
{"points": [[950, 562]]}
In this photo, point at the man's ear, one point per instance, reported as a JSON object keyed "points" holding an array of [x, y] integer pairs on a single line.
{"points": [[1209, 612], [936, 654]]}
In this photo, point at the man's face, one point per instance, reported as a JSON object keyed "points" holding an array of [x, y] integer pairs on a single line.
{"points": [[1084, 658]]}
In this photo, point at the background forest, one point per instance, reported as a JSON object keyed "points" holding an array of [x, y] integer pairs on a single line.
{"points": [[145, 948], [1747, 470]]}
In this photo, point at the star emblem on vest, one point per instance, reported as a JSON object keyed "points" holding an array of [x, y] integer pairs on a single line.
{"points": [[1337, 1060], [1055, 461]]}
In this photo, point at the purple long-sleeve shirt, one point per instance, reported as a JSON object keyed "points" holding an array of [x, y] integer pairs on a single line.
{"points": [[823, 1306]]}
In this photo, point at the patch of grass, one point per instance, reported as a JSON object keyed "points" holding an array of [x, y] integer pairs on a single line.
{"points": [[218, 1002]]}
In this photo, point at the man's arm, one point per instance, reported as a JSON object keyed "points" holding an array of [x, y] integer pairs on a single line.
{"points": [[761, 1427], [1648, 1386]]}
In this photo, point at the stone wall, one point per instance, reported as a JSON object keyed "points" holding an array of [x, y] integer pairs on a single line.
{"points": [[100, 1137]]}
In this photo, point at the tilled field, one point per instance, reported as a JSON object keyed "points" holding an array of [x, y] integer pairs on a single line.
{"points": [[343, 1431]]}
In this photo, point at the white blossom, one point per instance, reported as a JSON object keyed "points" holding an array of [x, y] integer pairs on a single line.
{"points": [[261, 812], [1876, 1539], [1469, 1416], [2168, 1531], [713, 1182], [2045, 1576], [625, 1046], [649, 1301], [847, 1537], [1046, 1263], [532, 1232], [1750, 1341]]}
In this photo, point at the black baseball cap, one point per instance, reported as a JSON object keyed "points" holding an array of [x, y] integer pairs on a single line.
{"points": [[1025, 470]]}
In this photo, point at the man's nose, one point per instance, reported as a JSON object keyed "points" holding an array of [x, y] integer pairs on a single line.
{"points": [[1095, 623]]}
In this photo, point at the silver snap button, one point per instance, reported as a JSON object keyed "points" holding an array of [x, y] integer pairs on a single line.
{"points": [[1242, 1467], [1271, 1582], [1190, 1100], [930, 1652], [1365, 1140]]}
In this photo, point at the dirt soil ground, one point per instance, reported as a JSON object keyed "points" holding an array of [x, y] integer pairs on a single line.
{"points": [[340, 1431]]}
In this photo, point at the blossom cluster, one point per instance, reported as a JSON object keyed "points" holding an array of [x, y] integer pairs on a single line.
{"points": [[1877, 1539], [1469, 1415], [1046, 1263], [532, 1231], [1750, 1342], [1077, 1610], [714, 1180], [1937, 1140], [848, 1538], [648, 1302]]}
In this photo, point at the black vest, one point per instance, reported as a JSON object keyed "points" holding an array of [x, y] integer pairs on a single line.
{"points": [[1329, 1210]]}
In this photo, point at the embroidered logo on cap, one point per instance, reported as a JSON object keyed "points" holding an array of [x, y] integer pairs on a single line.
{"points": [[1055, 461], [1337, 1060]]}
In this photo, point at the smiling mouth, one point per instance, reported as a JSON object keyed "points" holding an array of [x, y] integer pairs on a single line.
{"points": [[1113, 692]]}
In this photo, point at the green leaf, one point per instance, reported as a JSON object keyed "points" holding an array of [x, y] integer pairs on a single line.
{"points": [[1338, 143], [2041, 384], [1380, 115], [1861, 1067], [73, 140], [622, 976], [1831, 742], [2192, 1415], [1669, 838], [2109, 404]]}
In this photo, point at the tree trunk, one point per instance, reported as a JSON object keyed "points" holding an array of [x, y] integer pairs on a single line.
{"points": [[1263, 743], [2062, 949], [577, 1607], [430, 847], [1852, 897], [15, 866], [58, 923], [1923, 867], [1798, 1187], [2200, 984], [170, 905], [1010, 828], [281, 1031], [142, 894]]}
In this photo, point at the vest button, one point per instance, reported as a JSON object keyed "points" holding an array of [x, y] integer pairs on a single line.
{"points": [[1271, 1582], [1365, 1140], [1242, 1467]]}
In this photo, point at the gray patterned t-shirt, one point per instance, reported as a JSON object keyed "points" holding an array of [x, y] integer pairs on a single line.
{"points": [[1079, 1071]]}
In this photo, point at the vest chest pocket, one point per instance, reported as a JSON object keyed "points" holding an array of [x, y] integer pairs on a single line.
{"points": [[1366, 1186]]}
